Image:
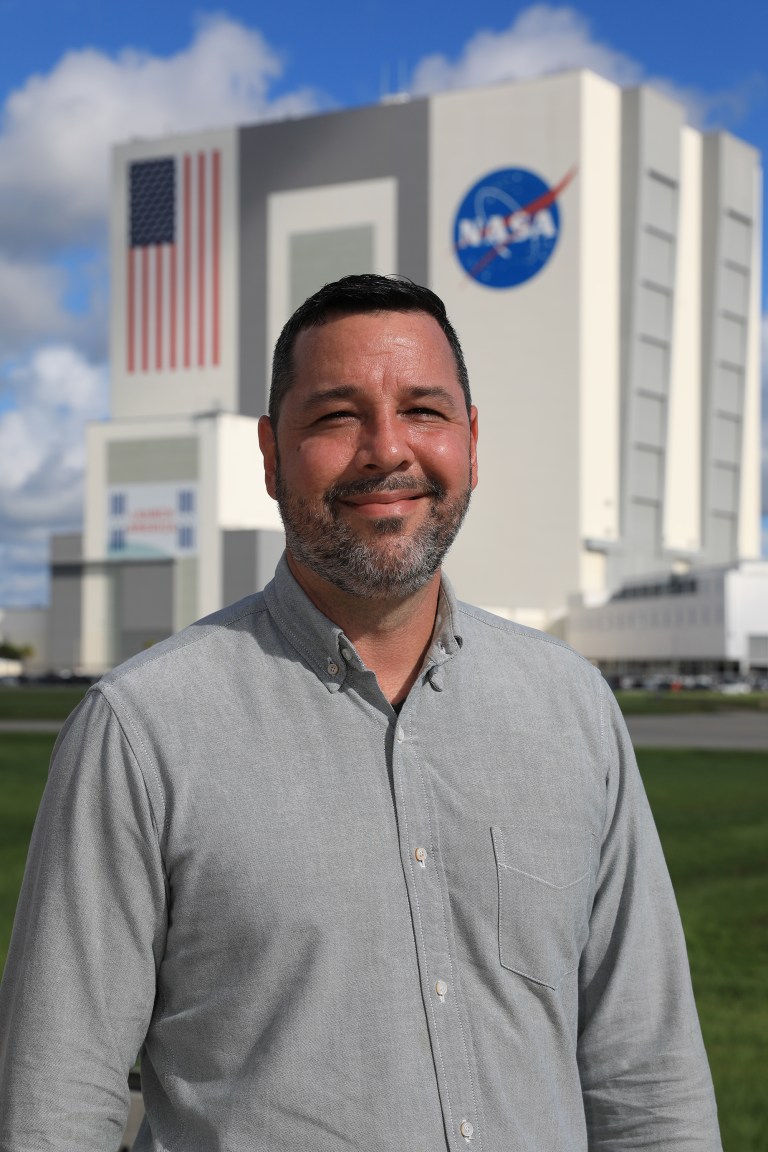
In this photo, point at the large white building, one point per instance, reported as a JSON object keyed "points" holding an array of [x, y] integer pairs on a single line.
{"points": [[600, 260]]}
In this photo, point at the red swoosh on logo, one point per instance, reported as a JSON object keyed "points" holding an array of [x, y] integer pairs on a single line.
{"points": [[529, 209]]}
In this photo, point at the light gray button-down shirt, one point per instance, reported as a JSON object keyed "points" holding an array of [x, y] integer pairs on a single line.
{"points": [[327, 926]]}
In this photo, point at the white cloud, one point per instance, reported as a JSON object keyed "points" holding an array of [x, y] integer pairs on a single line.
{"points": [[544, 39], [50, 397], [31, 295], [57, 129]]}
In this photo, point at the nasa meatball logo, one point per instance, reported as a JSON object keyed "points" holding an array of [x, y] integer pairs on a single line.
{"points": [[507, 227]]}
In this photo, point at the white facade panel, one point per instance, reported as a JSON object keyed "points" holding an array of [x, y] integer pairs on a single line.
{"points": [[749, 541], [599, 352], [682, 489], [746, 598], [243, 500], [520, 545]]}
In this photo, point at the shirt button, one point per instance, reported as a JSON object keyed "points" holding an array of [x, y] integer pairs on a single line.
{"points": [[400, 734], [333, 667], [441, 988], [421, 855], [466, 1129], [346, 653]]}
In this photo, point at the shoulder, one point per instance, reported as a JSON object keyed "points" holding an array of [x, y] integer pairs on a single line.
{"points": [[493, 637], [200, 652]]}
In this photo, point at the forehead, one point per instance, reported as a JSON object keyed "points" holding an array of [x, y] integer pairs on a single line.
{"points": [[363, 347]]}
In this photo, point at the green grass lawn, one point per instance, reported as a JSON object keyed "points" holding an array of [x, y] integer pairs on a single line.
{"points": [[711, 808], [46, 702], [23, 768], [678, 703]]}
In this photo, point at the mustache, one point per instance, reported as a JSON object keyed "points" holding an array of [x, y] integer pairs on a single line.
{"points": [[422, 485]]}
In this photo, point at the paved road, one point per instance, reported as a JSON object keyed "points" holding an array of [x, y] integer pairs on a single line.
{"points": [[30, 726], [740, 730]]}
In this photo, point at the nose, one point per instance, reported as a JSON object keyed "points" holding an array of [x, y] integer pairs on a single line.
{"points": [[384, 444]]}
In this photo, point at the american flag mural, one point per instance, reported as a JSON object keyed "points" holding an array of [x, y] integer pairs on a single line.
{"points": [[174, 262]]}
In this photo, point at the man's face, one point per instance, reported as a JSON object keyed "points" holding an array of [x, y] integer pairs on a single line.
{"points": [[375, 456]]}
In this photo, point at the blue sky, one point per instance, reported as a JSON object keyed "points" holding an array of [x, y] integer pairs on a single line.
{"points": [[78, 75]]}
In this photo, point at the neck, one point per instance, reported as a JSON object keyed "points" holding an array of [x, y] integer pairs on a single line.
{"points": [[390, 635]]}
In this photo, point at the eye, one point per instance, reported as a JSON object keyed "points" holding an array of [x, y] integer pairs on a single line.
{"points": [[340, 414], [426, 413]]}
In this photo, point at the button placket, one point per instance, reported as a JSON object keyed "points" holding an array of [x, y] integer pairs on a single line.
{"points": [[452, 1056]]}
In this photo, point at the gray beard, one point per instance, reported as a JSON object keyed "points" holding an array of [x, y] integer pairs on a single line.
{"points": [[325, 544]]}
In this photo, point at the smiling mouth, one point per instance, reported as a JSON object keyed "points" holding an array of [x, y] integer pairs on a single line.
{"points": [[383, 492], [383, 509], [382, 499]]}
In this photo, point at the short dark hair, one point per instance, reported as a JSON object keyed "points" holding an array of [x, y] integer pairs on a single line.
{"points": [[366, 292]]}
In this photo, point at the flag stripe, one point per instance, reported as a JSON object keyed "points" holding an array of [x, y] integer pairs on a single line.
{"points": [[144, 309], [131, 309], [216, 234], [159, 257], [172, 302], [201, 259], [187, 256]]}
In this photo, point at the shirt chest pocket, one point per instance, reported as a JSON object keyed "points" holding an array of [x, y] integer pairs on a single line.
{"points": [[544, 875]]}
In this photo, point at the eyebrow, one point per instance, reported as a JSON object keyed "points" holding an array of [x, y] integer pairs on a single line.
{"points": [[349, 391], [340, 392]]}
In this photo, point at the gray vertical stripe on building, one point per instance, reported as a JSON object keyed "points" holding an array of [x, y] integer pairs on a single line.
{"points": [[360, 144]]}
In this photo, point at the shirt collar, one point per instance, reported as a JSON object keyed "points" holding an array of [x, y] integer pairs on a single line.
{"points": [[324, 645]]}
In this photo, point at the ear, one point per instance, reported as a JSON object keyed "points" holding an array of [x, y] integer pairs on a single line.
{"points": [[473, 445], [268, 445]]}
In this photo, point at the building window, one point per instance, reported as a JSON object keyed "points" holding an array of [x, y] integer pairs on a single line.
{"points": [[117, 540], [117, 504], [186, 537], [186, 500]]}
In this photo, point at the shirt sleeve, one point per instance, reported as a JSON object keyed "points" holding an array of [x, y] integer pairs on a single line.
{"points": [[644, 1072], [79, 985]]}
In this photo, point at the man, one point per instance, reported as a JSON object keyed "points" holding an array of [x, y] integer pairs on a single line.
{"points": [[354, 865]]}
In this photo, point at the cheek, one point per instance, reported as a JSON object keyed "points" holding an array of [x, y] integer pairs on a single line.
{"points": [[314, 465], [448, 459]]}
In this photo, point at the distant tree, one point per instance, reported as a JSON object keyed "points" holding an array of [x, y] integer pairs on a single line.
{"points": [[10, 651]]}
